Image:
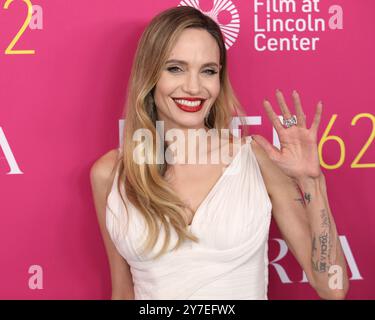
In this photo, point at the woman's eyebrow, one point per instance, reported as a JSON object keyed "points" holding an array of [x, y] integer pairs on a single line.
{"points": [[185, 63]]}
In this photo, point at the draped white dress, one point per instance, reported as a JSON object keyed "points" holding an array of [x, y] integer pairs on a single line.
{"points": [[231, 259]]}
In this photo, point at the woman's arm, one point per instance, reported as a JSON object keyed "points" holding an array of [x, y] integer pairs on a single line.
{"points": [[309, 227], [298, 223], [327, 258], [101, 177]]}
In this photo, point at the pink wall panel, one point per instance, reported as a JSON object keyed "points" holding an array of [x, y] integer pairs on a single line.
{"points": [[60, 109]]}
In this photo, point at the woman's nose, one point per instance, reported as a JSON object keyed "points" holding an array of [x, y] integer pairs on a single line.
{"points": [[192, 83]]}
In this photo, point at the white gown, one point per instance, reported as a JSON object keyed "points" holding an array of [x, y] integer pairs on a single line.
{"points": [[231, 259]]}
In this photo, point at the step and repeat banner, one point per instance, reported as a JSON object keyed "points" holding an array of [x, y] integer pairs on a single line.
{"points": [[64, 70]]}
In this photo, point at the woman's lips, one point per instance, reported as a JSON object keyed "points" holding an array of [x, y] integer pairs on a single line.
{"points": [[189, 109]]}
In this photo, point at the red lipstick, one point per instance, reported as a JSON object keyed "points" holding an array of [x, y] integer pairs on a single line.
{"points": [[187, 108]]}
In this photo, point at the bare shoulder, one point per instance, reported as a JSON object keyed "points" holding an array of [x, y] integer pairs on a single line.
{"points": [[260, 154], [102, 171], [102, 174], [255, 147]]}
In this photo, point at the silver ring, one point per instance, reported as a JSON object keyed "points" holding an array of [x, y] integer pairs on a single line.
{"points": [[290, 122]]}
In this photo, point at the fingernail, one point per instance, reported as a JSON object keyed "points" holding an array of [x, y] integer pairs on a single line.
{"points": [[277, 90], [294, 92]]}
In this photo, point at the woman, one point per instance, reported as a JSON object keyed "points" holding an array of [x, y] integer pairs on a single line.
{"points": [[199, 231]]}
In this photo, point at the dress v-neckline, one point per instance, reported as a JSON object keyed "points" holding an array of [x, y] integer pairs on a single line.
{"points": [[216, 184]]}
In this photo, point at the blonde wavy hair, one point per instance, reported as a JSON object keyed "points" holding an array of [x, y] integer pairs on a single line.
{"points": [[144, 184]]}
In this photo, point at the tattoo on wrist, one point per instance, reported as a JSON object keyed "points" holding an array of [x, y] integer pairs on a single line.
{"points": [[300, 200], [307, 197]]}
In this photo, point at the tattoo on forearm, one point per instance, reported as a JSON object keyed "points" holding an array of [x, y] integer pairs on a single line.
{"points": [[326, 222], [322, 260], [324, 252]]}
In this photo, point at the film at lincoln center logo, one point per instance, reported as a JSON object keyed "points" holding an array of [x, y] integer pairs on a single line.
{"points": [[224, 13]]}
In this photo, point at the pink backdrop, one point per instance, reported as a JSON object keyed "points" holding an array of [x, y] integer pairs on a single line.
{"points": [[60, 110]]}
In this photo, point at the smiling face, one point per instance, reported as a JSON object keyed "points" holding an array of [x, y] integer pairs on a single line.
{"points": [[189, 82]]}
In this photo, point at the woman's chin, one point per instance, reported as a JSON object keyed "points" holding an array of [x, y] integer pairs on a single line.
{"points": [[183, 120], [190, 124], [189, 121]]}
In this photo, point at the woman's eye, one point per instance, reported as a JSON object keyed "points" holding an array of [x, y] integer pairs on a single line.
{"points": [[177, 69], [210, 71], [173, 69]]}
